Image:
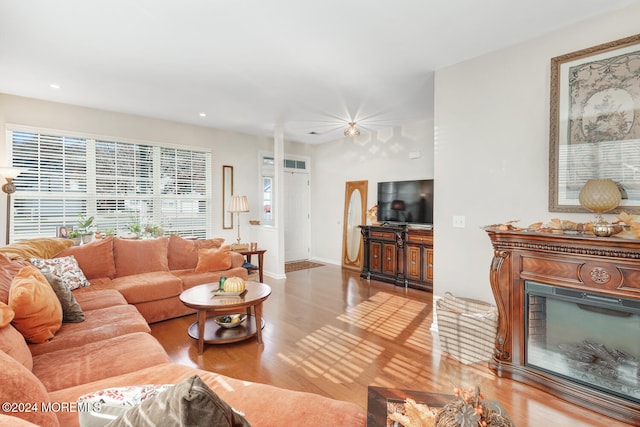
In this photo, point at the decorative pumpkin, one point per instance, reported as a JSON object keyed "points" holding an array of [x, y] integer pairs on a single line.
{"points": [[234, 284]]}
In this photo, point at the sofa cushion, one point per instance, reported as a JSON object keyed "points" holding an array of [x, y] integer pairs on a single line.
{"points": [[71, 310], [95, 259], [38, 311], [20, 385], [148, 286], [12, 342], [214, 259], [98, 298], [98, 360], [41, 247], [189, 403], [183, 253], [66, 268], [140, 256], [8, 269], [99, 324]]}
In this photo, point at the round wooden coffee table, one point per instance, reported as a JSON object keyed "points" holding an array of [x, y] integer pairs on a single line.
{"points": [[206, 330]]}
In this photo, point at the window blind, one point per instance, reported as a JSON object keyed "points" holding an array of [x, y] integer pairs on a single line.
{"points": [[121, 184]]}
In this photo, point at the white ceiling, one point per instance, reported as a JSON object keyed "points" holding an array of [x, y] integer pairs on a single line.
{"points": [[309, 66]]}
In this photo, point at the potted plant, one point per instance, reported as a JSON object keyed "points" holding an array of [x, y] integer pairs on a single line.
{"points": [[75, 237], [85, 225], [153, 230]]}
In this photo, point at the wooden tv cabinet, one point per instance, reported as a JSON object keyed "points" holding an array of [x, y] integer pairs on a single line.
{"points": [[398, 254]]}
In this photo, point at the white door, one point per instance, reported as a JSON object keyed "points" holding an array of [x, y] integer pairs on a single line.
{"points": [[297, 221]]}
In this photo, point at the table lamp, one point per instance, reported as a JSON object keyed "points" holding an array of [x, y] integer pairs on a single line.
{"points": [[236, 205]]}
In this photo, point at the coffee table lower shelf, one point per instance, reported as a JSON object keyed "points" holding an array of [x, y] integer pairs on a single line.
{"points": [[216, 334]]}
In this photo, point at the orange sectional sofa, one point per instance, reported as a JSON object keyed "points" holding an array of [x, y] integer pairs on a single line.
{"points": [[112, 347], [152, 273]]}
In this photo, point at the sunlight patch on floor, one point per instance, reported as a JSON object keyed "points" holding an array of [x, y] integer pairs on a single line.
{"points": [[421, 338], [340, 356], [333, 354], [392, 317]]}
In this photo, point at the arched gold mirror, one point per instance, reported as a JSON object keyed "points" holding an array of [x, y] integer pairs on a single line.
{"points": [[355, 211]]}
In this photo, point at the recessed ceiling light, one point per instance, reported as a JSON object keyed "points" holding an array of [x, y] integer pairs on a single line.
{"points": [[54, 86], [203, 114]]}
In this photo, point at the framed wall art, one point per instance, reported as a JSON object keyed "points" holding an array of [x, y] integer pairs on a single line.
{"points": [[595, 123]]}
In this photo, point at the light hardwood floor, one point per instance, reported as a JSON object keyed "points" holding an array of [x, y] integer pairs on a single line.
{"points": [[329, 332]]}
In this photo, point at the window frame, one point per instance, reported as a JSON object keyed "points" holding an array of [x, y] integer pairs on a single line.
{"points": [[200, 224]]}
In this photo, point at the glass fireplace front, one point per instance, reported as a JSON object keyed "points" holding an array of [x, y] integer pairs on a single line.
{"points": [[589, 338]]}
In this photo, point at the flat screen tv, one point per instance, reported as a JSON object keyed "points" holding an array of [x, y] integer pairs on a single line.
{"points": [[406, 202]]}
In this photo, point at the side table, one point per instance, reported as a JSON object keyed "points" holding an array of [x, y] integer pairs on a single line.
{"points": [[260, 253]]}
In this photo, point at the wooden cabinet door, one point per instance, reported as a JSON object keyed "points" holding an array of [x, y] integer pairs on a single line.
{"points": [[375, 261], [389, 259], [414, 263], [428, 265]]}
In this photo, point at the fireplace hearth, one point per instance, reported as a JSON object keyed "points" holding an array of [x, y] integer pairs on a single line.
{"points": [[569, 317]]}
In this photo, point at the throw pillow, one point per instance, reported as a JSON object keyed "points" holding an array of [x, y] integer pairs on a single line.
{"points": [[71, 310], [189, 403], [8, 269], [6, 314], [95, 259], [19, 384], [38, 313], [66, 268], [111, 403], [183, 253], [140, 256], [214, 259], [12, 342], [41, 247]]}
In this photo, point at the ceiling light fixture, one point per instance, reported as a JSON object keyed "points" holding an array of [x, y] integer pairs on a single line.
{"points": [[352, 130]]}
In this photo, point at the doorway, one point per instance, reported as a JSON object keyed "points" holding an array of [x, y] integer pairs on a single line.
{"points": [[297, 219]]}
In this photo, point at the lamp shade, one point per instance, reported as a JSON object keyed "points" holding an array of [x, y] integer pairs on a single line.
{"points": [[9, 172], [239, 204], [600, 195]]}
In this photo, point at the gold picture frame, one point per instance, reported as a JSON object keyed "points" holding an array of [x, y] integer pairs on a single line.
{"points": [[594, 127]]}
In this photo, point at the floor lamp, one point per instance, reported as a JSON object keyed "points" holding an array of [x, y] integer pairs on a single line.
{"points": [[9, 188], [236, 205]]}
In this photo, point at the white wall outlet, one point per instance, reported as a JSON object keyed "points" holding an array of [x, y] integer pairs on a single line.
{"points": [[458, 221]]}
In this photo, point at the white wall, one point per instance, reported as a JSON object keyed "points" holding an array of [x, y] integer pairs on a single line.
{"points": [[492, 146], [383, 156], [229, 148]]}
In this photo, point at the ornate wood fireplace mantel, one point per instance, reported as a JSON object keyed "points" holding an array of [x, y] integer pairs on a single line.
{"points": [[606, 266]]}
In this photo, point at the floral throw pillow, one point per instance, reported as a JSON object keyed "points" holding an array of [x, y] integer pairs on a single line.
{"points": [[102, 406], [65, 268]]}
